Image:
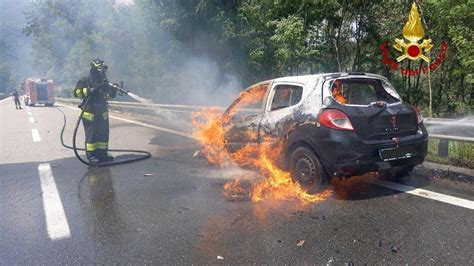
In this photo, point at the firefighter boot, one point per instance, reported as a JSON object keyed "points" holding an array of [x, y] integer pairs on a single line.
{"points": [[104, 156], [93, 158]]}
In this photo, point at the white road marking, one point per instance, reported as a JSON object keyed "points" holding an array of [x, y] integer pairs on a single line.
{"points": [[29, 113], [407, 189], [6, 99], [154, 127], [469, 204], [56, 221], [32, 119], [36, 135], [183, 134]]}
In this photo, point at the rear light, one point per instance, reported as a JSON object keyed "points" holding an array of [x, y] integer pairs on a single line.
{"points": [[335, 119], [419, 117]]}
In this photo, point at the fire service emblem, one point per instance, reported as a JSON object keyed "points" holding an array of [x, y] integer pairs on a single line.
{"points": [[413, 46], [413, 32]]}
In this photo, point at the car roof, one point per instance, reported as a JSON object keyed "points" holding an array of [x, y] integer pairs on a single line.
{"points": [[309, 78]]}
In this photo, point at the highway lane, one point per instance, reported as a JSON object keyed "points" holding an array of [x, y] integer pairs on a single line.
{"points": [[171, 209]]}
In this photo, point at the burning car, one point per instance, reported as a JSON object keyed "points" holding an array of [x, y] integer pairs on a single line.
{"points": [[328, 125]]}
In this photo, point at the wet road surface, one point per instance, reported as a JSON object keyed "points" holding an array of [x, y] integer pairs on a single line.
{"points": [[171, 209]]}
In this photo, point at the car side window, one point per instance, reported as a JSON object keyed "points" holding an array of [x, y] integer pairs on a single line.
{"points": [[249, 102], [286, 96]]}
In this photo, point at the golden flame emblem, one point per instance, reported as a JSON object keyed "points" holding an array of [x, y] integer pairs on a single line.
{"points": [[413, 32]]}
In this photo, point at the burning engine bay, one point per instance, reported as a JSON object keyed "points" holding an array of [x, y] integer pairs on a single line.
{"points": [[298, 132]]}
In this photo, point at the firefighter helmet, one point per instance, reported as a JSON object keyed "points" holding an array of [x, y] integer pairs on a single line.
{"points": [[98, 65]]}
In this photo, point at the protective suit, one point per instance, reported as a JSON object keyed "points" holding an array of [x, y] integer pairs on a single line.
{"points": [[95, 90]]}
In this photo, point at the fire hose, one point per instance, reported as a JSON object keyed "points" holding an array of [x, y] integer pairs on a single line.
{"points": [[145, 155]]}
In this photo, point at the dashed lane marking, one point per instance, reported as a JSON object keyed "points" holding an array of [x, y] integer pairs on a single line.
{"points": [[469, 204], [32, 119], [56, 221], [36, 135]]}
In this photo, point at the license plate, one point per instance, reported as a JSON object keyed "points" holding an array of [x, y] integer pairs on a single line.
{"points": [[397, 153]]}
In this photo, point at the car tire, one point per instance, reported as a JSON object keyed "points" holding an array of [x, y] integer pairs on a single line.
{"points": [[306, 169], [401, 173]]}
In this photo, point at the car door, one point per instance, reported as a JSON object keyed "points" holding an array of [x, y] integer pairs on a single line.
{"points": [[283, 102], [242, 118]]}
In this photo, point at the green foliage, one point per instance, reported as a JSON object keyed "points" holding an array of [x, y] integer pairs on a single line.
{"points": [[148, 41], [459, 153]]}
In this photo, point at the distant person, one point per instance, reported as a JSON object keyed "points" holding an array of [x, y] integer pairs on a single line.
{"points": [[16, 99], [336, 92], [95, 90]]}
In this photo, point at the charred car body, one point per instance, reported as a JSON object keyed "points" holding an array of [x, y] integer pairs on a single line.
{"points": [[332, 125]]}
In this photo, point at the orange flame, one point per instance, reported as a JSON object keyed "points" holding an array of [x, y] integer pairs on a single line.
{"points": [[413, 30], [271, 182]]}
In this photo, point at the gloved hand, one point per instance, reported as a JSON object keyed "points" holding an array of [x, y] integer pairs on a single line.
{"points": [[115, 87]]}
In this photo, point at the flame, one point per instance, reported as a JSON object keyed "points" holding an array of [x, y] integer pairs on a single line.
{"points": [[338, 96], [270, 182], [336, 93], [413, 30]]}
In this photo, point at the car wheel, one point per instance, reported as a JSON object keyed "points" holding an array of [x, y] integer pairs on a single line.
{"points": [[306, 169], [401, 173]]}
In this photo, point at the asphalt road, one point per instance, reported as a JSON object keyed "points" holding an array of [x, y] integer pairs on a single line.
{"points": [[171, 209]]}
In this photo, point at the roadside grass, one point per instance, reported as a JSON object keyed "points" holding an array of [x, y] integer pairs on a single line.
{"points": [[459, 153]]}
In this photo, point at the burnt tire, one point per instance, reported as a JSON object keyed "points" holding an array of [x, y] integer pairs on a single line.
{"points": [[401, 173], [306, 169]]}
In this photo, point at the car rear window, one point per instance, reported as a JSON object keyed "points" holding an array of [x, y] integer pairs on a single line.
{"points": [[360, 92], [286, 96]]}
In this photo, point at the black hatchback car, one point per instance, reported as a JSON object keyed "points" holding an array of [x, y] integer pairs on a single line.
{"points": [[333, 125]]}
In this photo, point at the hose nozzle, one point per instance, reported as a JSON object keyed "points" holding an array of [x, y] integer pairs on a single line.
{"points": [[120, 89]]}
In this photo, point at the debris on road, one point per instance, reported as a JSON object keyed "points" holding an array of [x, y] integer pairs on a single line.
{"points": [[394, 249], [148, 174], [196, 153], [220, 257], [300, 243], [330, 261]]}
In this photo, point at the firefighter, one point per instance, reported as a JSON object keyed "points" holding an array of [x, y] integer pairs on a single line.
{"points": [[16, 99], [95, 90]]}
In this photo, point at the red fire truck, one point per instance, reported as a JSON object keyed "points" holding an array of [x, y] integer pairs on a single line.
{"points": [[38, 91]]}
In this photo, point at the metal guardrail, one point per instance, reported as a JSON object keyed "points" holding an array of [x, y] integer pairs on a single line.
{"points": [[191, 108], [450, 137]]}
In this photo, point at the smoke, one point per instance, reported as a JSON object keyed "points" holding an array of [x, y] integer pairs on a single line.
{"points": [[199, 81], [15, 47], [129, 36]]}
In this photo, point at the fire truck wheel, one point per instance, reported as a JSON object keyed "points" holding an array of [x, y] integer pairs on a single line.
{"points": [[306, 169]]}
